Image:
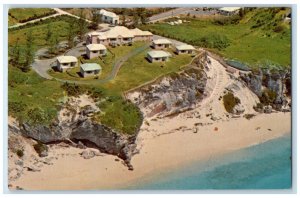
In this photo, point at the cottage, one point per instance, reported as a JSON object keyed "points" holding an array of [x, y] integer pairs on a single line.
{"points": [[158, 56], [184, 49], [90, 69], [109, 17], [92, 37], [229, 10], [161, 44], [66, 62], [95, 50]]}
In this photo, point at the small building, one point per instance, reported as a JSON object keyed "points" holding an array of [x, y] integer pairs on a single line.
{"points": [[95, 50], [92, 37], [90, 69], [109, 17], [66, 62], [161, 44], [229, 10], [184, 49], [158, 56]]}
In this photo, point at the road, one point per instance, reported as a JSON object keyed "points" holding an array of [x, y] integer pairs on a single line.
{"points": [[168, 14], [58, 13]]}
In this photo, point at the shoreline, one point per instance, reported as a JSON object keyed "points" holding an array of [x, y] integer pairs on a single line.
{"points": [[159, 151]]}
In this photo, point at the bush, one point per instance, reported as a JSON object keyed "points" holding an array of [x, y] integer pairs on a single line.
{"points": [[38, 115], [278, 28], [249, 116], [268, 97], [40, 148], [73, 89], [15, 107], [20, 153], [229, 101], [214, 41]]}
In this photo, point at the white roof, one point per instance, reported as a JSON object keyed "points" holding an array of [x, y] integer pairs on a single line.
{"points": [[93, 34], [162, 41], [116, 32], [185, 47], [158, 54], [138, 32], [66, 59], [230, 9], [107, 13], [96, 47]]}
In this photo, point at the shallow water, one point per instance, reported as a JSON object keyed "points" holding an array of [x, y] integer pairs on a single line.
{"points": [[262, 166]]}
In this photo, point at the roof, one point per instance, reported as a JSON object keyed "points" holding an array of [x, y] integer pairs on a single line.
{"points": [[90, 67], [138, 32], [158, 54], [66, 59], [96, 47], [93, 34], [162, 41], [184, 47], [107, 13], [116, 32], [230, 9]]}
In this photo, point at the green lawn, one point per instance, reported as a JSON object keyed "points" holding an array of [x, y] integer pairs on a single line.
{"points": [[25, 14], [137, 70], [248, 45]]}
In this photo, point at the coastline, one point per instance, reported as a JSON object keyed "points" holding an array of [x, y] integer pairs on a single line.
{"points": [[162, 148]]}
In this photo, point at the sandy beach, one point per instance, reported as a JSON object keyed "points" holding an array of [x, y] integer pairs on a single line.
{"points": [[170, 145]]}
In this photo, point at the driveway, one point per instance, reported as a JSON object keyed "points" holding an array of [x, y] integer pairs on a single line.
{"points": [[168, 14]]}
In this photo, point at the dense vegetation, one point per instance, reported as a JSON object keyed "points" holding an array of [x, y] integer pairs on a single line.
{"points": [[230, 101], [22, 15], [254, 37]]}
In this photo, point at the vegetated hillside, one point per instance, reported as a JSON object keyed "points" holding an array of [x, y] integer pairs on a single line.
{"points": [[256, 36], [22, 15]]}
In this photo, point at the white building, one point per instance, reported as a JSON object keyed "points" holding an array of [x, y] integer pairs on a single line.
{"points": [[118, 35], [184, 49], [158, 56], [109, 17], [229, 10], [161, 43], [95, 50], [66, 62]]}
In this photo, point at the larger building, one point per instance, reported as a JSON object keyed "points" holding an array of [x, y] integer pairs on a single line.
{"points": [[109, 17], [118, 35]]}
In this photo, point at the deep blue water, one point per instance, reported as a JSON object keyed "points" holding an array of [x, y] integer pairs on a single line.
{"points": [[263, 166]]}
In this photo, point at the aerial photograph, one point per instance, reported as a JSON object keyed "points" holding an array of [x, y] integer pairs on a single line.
{"points": [[149, 98]]}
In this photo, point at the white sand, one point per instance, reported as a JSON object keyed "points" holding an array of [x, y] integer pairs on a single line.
{"points": [[158, 153]]}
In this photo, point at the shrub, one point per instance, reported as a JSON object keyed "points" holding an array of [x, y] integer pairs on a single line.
{"points": [[15, 107], [268, 97], [249, 116], [278, 28], [40, 148], [20, 153], [214, 41], [229, 101], [72, 89]]}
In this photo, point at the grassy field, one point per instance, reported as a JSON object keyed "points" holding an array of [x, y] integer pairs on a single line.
{"points": [[137, 70], [58, 27], [28, 91], [253, 40], [22, 15]]}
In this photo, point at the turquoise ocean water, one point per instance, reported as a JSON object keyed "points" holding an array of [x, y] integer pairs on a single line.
{"points": [[263, 166]]}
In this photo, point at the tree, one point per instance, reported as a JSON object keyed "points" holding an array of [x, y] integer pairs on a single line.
{"points": [[49, 32], [53, 44], [82, 25], [95, 20], [29, 52], [15, 54], [71, 35]]}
